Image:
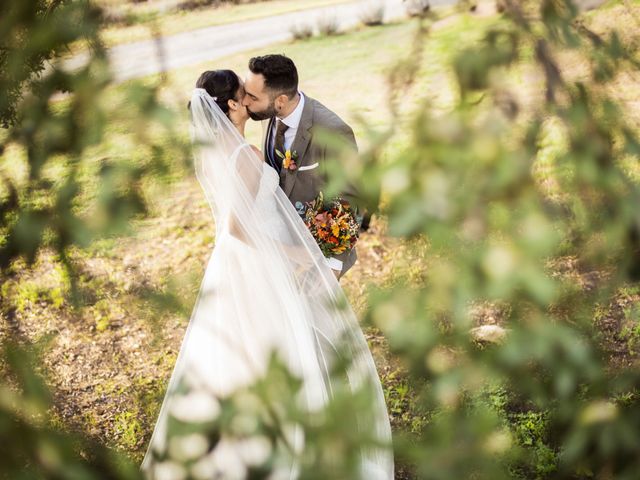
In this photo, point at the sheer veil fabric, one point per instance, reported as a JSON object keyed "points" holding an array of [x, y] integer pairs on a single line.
{"points": [[266, 287]]}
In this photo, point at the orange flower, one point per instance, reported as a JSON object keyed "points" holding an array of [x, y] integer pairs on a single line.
{"points": [[288, 159]]}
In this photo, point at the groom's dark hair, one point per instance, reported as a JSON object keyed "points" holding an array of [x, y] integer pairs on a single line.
{"points": [[279, 72]]}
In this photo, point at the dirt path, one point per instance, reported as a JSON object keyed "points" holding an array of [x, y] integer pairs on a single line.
{"points": [[143, 58]]}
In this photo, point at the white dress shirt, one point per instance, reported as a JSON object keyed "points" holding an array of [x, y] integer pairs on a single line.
{"points": [[292, 121]]}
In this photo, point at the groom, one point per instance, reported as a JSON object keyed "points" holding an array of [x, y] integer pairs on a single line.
{"points": [[293, 122]]}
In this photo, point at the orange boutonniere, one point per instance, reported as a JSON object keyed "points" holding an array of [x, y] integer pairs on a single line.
{"points": [[288, 159]]}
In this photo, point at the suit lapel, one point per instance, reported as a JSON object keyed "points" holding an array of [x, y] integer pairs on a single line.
{"points": [[300, 145]]}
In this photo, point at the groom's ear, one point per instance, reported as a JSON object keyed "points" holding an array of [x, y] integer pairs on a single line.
{"points": [[280, 101]]}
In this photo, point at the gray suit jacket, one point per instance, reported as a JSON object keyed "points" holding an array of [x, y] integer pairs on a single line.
{"points": [[304, 184]]}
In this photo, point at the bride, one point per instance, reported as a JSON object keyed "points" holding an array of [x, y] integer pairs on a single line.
{"points": [[266, 288]]}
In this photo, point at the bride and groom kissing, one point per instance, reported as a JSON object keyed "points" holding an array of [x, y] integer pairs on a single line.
{"points": [[292, 121], [268, 286]]}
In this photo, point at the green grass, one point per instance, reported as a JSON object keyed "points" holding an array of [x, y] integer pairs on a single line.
{"points": [[613, 3], [128, 429], [146, 19]]}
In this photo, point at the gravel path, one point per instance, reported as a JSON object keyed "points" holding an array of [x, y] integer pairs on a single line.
{"points": [[134, 60]]}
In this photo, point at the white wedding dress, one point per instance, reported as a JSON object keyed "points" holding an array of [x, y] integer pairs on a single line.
{"points": [[266, 288]]}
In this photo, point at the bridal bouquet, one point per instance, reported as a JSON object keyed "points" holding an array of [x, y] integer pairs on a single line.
{"points": [[333, 225]]}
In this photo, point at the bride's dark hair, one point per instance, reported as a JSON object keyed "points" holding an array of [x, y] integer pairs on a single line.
{"points": [[222, 85]]}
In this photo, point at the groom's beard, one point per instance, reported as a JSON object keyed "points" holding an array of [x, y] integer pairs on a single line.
{"points": [[270, 112]]}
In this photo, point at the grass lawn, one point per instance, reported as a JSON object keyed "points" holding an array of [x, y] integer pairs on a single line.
{"points": [[141, 20]]}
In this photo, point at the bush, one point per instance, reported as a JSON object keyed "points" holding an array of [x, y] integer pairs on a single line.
{"points": [[417, 8], [302, 31], [372, 15], [328, 25]]}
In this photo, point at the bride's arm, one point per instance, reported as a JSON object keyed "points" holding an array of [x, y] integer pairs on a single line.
{"points": [[258, 152], [298, 254], [250, 177]]}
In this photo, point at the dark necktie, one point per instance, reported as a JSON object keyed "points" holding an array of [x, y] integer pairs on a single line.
{"points": [[278, 144]]}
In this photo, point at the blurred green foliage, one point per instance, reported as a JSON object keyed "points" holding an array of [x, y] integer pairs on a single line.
{"points": [[57, 197], [55, 193], [469, 182]]}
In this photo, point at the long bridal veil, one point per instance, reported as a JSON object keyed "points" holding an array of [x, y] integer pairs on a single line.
{"points": [[266, 288]]}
